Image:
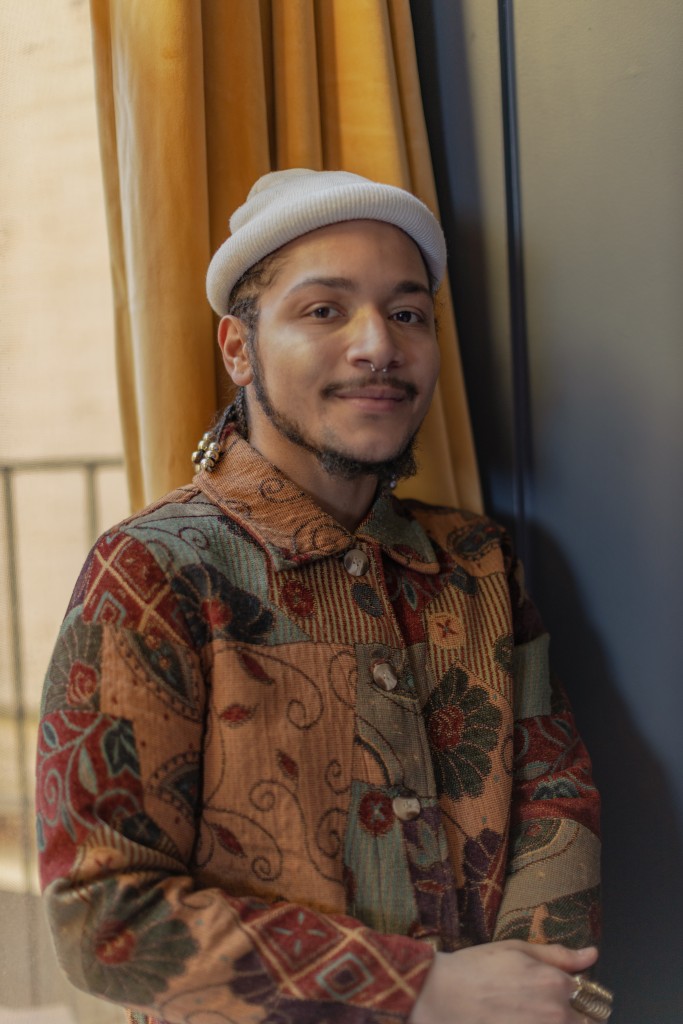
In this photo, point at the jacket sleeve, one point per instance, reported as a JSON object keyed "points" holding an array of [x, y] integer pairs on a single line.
{"points": [[552, 891], [129, 922]]}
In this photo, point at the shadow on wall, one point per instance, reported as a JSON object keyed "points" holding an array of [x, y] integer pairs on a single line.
{"points": [[441, 48], [642, 846]]}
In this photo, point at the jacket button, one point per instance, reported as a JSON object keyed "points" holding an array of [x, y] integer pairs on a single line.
{"points": [[383, 674], [406, 808], [356, 562]]}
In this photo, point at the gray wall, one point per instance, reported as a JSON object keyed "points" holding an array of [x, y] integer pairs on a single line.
{"points": [[599, 103]]}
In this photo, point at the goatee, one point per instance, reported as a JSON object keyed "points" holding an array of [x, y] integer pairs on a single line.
{"points": [[335, 462]]}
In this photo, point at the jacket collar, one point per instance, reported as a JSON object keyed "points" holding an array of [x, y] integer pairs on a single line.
{"points": [[290, 525]]}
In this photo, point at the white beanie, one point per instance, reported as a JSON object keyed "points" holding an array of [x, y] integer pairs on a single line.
{"points": [[283, 205]]}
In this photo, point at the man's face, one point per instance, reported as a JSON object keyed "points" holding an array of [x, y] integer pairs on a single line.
{"points": [[343, 298]]}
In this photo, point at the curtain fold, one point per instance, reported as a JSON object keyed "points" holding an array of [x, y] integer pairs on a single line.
{"points": [[198, 98]]}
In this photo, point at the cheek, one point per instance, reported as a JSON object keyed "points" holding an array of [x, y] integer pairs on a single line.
{"points": [[291, 371]]}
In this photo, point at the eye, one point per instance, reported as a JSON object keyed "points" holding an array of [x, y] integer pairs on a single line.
{"points": [[324, 313], [408, 316]]}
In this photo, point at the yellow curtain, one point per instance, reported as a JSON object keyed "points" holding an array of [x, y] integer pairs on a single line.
{"points": [[196, 99]]}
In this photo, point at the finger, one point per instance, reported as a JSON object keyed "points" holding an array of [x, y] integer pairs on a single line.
{"points": [[573, 961]]}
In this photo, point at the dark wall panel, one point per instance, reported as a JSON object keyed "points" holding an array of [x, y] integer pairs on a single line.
{"points": [[601, 146]]}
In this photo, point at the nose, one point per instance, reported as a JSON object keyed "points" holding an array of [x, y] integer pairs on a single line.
{"points": [[373, 342]]}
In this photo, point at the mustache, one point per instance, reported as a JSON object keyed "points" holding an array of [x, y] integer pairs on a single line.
{"points": [[373, 381]]}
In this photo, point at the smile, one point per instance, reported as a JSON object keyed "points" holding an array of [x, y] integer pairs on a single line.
{"points": [[389, 393], [376, 399]]}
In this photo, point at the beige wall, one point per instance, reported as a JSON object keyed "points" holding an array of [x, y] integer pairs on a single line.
{"points": [[58, 387], [57, 399]]}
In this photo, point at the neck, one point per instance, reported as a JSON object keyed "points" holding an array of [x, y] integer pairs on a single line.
{"points": [[347, 501]]}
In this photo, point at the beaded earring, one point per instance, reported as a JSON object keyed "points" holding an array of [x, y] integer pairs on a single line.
{"points": [[209, 450], [208, 453]]}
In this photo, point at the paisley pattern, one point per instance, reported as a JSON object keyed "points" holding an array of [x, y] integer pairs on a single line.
{"points": [[263, 783]]}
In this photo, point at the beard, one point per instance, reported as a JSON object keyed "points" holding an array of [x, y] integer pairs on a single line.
{"points": [[333, 460]]}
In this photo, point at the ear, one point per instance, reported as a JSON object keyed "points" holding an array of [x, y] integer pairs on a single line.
{"points": [[232, 341]]}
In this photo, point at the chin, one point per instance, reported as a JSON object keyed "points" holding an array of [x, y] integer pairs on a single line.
{"points": [[378, 457], [373, 456], [384, 448], [354, 463]]}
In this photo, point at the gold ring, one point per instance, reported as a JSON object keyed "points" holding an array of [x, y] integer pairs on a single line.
{"points": [[591, 999]]}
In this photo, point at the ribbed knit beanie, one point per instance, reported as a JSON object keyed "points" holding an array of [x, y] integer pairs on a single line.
{"points": [[284, 205]]}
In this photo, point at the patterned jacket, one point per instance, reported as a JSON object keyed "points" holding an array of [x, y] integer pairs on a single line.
{"points": [[280, 764]]}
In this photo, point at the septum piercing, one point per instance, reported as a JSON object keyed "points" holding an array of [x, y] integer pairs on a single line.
{"points": [[373, 368]]}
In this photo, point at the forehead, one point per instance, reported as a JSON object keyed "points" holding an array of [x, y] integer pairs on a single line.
{"points": [[355, 247]]}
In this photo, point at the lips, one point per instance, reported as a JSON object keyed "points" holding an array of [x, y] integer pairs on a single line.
{"points": [[387, 391], [379, 394]]}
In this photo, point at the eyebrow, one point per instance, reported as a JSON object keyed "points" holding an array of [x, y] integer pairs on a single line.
{"points": [[407, 287]]}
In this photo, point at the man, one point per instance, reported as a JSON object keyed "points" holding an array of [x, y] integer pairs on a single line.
{"points": [[301, 758]]}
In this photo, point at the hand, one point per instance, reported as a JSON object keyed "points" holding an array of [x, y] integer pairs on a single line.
{"points": [[509, 982]]}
